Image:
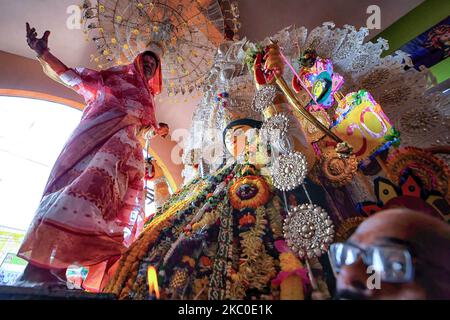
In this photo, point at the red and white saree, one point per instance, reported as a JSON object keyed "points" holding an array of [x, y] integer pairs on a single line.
{"points": [[92, 206]]}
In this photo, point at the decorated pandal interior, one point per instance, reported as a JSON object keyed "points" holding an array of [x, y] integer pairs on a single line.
{"points": [[343, 143], [297, 140]]}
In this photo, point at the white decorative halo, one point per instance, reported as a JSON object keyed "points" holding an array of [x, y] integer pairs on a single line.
{"points": [[275, 127], [186, 32]]}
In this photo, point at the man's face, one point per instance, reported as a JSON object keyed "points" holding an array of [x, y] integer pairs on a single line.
{"points": [[150, 66], [354, 282]]}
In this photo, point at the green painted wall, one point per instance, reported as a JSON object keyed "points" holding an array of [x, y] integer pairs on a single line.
{"points": [[415, 22], [441, 70]]}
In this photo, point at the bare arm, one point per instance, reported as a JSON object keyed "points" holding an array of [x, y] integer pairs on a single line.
{"points": [[42, 51]]}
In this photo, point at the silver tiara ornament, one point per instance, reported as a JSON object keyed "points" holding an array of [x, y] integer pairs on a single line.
{"points": [[264, 97], [289, 170], [308, 230]]}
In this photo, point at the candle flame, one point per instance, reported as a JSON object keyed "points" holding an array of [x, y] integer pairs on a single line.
{"points": [[152, 280]]}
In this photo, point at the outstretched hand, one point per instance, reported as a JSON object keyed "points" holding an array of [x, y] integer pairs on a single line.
{"points": [[38, 45], [274, 64]]}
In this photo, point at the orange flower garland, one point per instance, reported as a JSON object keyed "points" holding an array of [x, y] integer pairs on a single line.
{"points": [[247, 219], [205, 261], [124, 279], [249, 192]]}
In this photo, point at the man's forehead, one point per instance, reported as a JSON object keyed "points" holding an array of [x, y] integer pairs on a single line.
{"points": [[380, 231]]}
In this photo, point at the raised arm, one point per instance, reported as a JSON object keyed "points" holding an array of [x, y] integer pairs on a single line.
{"points": [[40, 46]]}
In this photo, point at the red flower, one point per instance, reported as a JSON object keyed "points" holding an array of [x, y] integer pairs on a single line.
{"points": [[204, 260], [247, 219]]}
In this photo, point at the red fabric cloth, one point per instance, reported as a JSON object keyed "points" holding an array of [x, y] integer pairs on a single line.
{"points": [[92, 206]]}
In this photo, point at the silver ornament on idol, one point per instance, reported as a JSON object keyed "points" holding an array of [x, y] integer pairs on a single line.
{"points": [[264, 97], [275, 127], [289, 170], [308, 230]]}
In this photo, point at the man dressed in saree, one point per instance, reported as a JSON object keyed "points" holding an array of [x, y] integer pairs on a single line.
{"points": [[91, 208]]}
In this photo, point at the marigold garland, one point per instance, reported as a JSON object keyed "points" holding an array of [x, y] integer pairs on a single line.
{"points": [[256, 266], [260, 192], [146, 238]]}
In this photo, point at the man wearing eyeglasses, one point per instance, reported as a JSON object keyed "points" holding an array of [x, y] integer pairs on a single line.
{"points": [[394, 254]]}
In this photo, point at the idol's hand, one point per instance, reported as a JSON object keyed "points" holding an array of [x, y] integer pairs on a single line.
{"points": [[38, 45], [274, 64], [258, 74]]}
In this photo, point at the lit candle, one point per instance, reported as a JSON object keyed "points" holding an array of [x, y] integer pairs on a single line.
{"points": [[152, 280]]}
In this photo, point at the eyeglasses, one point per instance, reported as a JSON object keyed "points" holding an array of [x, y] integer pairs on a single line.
{"points": [[393, 263]]}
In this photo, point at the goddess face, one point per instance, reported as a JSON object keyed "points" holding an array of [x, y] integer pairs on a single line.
{"points": [[237, 140]]}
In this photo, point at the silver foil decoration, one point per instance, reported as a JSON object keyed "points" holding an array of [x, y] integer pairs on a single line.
{"points": [[275, 127], [264, 97], [289, 170], [308, 230]]}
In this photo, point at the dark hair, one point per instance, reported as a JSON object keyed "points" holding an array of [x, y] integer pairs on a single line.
{"points": [[245, 121]]}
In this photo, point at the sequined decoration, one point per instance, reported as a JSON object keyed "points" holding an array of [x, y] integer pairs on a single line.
{"points": [[308, 230], [338, 171], [289, 170], [275, 127], [418, 122], [394, 96], [264, 98], [431, 170]]}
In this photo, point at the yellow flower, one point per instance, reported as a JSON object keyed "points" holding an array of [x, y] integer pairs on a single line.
{"points": [[200, 284], [189, 261], [289, 262]]}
